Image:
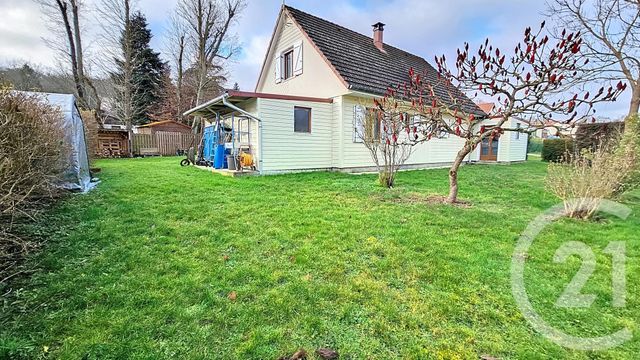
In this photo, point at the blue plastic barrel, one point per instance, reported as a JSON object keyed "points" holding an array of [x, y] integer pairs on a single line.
{"points": [[218, 158]]}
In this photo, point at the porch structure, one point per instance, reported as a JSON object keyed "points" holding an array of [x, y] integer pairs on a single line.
{"points": [[232, 134]]}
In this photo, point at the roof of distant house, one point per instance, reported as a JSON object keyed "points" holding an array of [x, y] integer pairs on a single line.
{"points": [[362, 65], [486, 107]]}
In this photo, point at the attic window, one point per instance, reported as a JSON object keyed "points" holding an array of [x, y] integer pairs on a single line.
{"points": [[287, 64]]}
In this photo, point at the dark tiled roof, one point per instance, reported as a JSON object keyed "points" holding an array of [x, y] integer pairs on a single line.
{"points": [[362, 65]]}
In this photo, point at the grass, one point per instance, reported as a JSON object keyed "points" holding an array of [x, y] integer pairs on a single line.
{"points": [[147, 266]]}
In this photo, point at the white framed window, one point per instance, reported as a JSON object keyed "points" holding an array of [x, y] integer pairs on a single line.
{"points": [[288, 63]]}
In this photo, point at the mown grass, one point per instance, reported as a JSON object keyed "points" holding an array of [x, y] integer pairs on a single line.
{"points": [[143, 268]]}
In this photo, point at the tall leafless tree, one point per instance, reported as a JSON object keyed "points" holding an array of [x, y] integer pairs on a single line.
{"points": [[207, 24], [118, 46], [611, 33], [63, 19], [176, 44]]}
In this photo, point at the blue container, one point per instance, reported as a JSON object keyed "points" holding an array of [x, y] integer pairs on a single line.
{"points": [[218, 159], [209, 143]]}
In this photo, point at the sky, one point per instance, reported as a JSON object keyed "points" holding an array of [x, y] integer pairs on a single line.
{"points": [[423, 27]]}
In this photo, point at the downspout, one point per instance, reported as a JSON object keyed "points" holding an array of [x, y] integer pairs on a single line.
{"points": [[231, 106]]}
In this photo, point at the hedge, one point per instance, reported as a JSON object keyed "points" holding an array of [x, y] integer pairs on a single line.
{"points": [[535, 145], [589, 136], [555, 150]]}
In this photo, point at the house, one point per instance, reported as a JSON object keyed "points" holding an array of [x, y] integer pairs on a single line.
{"points": [[165, 125], [508, 147], [308, 103]]}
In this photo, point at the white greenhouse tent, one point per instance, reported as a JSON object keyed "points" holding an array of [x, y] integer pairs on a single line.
{"points": [[77, 177]]}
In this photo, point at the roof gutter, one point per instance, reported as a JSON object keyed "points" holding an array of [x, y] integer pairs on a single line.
{"points": [[364, 94], [231, 106], [208, 103]]}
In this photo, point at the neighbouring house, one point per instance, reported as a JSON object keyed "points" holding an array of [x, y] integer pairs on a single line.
{"points": [[511, 146], [310, 98], [554, 130], [165, 125]]}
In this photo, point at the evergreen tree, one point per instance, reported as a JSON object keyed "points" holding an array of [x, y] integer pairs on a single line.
{"points": [[148, 70]]}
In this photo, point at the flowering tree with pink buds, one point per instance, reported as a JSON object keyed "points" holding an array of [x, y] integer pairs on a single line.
{"points": [[536, 85]]}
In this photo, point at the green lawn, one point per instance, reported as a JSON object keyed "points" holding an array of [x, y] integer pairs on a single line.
{"points": [[143, 267]]}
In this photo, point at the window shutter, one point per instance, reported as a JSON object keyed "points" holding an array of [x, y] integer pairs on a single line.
{"points": [[297, 58], [277, 63], [358, 123]]}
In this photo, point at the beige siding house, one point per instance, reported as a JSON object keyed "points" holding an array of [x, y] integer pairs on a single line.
{"points": [[316, 78]]}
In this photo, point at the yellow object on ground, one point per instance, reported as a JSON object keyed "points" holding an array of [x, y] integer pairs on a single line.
{"points": [[246, 159]]}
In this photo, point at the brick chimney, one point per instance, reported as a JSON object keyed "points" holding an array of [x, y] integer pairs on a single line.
{"points": [[378, 35]]}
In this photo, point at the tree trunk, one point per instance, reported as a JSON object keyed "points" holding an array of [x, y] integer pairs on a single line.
{"points": [[72, 51], [128, 75], [635, 99], [386, 178], [79, 56], [98, 107], [179, 79], [453, 174]]}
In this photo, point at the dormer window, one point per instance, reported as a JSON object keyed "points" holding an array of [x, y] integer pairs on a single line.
{"points": [[287, 65]]}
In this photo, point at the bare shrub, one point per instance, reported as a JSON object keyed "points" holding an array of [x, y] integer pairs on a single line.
{"points": [[32, 157], [629, 148], [385, 130], [584, 180], [32, 151]]}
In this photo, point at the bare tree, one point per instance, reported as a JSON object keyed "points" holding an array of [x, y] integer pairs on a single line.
{"points": [[611, 33], [207, 24], [118, 37], [63, 19], [177, 47], [535, 85], [58, 13]]}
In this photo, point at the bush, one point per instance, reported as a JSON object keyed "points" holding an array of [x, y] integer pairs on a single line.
{"points": [[630, 148], [555, 150], [535, 145], [32, 157], [587, 178]]}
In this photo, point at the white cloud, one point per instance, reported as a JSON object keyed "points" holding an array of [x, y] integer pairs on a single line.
{"points": [[22, 32]]}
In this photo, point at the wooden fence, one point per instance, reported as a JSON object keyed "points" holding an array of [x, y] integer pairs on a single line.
{"points": [[163, 143]]}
